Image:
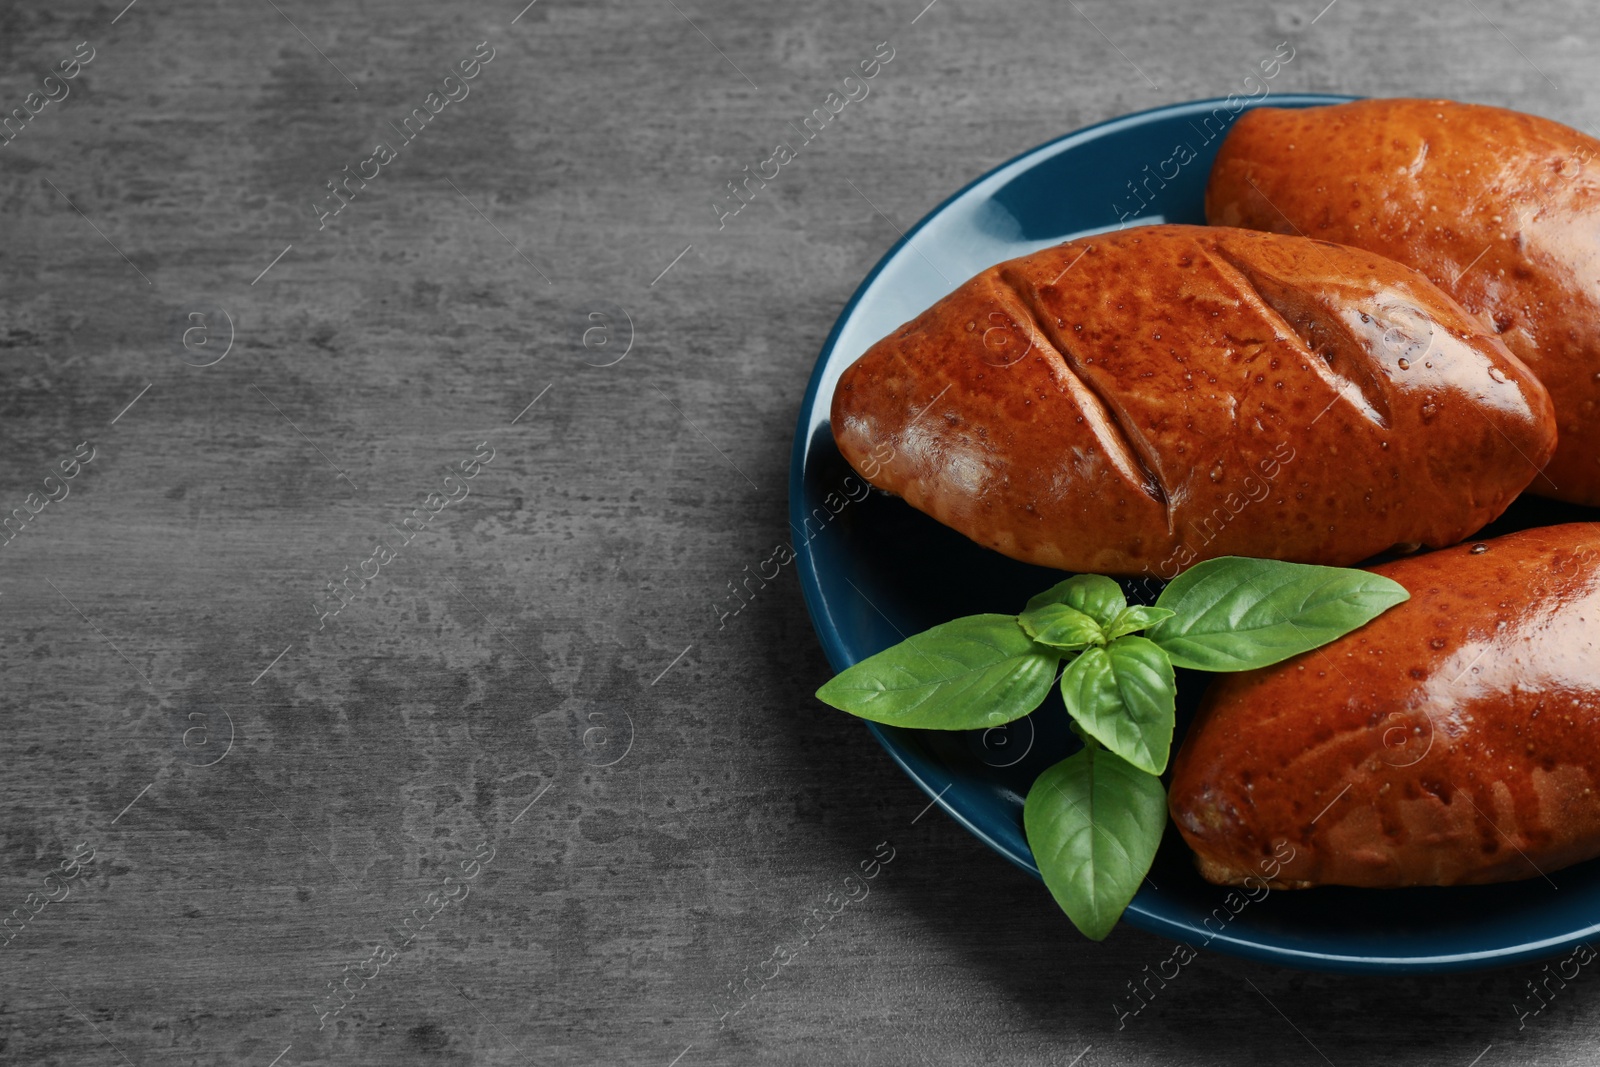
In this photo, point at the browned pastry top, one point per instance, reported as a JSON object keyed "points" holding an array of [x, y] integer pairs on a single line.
{"points": [[1138, 401], [1498, 208]]}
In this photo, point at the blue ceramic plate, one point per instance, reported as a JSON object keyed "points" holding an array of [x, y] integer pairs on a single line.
{"points": [[873, 569]]}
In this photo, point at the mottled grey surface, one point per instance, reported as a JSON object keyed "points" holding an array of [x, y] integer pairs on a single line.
{"points": [[540, 671]]}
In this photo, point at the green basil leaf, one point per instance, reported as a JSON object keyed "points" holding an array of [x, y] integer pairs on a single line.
{"points": [[1061, 627], [1125, 697], [974, 672], [1135, 617], [1095, 595], [1094, 822], [1237, 614]]}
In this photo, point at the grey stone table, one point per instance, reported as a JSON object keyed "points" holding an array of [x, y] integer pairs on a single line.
{"points": [[504, 771]]}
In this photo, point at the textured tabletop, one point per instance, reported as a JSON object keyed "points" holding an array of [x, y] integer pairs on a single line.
{"points": [[373, 690]]}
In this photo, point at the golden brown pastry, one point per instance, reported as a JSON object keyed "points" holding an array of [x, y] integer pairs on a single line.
{"points": [[1454, 739], [1500, 209], [1138, 401]]}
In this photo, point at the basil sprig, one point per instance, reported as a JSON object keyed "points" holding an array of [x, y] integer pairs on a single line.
{"points": [[1095, 819]]}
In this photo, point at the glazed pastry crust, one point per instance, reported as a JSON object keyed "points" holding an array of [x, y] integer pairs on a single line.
{"points": [[1500, 209], [1135, 402]]}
